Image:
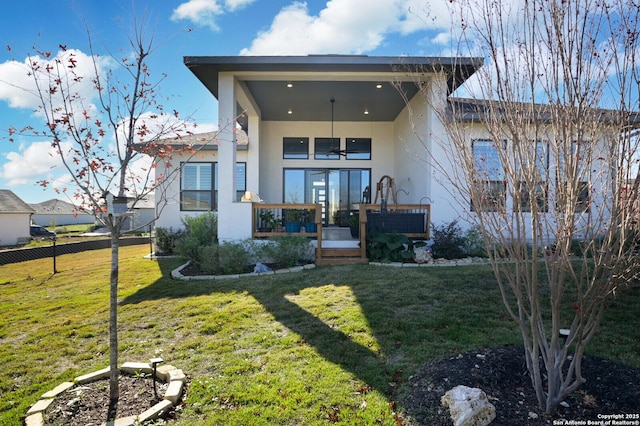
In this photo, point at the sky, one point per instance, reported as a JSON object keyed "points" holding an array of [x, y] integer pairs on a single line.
{"points": [[185, 28]]}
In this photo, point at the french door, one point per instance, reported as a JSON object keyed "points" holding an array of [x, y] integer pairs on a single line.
{"points": [[339, 191]]}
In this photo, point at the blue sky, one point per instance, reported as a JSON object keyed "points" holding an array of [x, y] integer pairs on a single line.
{"points": [[185, 28]]}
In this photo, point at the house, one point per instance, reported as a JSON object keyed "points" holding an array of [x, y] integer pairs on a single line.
{"points": [[60, 213], [144, 213], [322, 130], [338, 136], [15, 219]]}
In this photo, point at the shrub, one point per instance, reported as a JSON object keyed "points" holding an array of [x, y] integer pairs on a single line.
{"points": [[204, 228], [448, 242], [189, 248], [233, 258], [388, 247], [166, 239], [288, 250], [208, 259], [474, 243]]}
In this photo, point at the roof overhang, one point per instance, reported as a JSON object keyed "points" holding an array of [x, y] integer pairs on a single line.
{"points": [[299, 88]]}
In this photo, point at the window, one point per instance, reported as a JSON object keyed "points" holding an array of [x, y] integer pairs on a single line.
{"points": [[533, 169], [490, 188], [327, 149], [199, 185], [196, 185], [358, 149], [295, 148]]}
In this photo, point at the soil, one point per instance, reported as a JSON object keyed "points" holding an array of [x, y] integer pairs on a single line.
{"points": [[611, 388], [88, 404]]}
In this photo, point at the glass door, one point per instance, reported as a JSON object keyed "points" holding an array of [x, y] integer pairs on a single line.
{"points": [[339, 191]]}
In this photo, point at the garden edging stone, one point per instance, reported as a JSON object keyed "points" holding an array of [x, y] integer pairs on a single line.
{"points": [[167, 373]]}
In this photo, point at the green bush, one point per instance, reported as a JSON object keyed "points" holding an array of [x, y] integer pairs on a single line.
{"points": [[166, 239], [204, 228], [448, 242], [208, 259], [474, 243], [388, 247], [200, 231], [233, 258], [288, 250], [189, 248]]}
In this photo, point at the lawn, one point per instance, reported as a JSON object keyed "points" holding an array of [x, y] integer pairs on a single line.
{"points": [[332, 345]]}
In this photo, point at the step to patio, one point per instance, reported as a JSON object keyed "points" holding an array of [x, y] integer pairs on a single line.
{"points": [[340, 256]]}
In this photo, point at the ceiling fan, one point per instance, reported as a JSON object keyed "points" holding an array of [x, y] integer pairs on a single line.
{"points": [[336, 150]]}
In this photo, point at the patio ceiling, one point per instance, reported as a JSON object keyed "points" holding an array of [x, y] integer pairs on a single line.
{"points": [[300, 88]]}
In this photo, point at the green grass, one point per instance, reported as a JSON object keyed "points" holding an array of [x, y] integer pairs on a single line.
{"points": [[329, 345]]}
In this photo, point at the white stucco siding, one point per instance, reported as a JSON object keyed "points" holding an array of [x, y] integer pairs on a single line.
{"points": [[14, 227], [169, 212], [383, 151], [599, 173], [422, 162]]}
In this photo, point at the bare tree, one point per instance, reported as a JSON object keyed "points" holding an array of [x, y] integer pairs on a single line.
{"points": [[107, 125], [542, 156]]}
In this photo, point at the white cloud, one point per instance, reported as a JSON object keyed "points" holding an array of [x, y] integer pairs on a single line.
{"points": [[30, 163], [19, 88], [206, 12], [344, 26]]}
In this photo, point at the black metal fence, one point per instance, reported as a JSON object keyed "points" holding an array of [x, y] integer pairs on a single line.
{"points": [[32, 253]]}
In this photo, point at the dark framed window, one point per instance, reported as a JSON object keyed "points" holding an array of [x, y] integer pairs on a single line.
{"points": [[196, 187], [199, 185], [490, 190], [532, 186], [358, 149], [295, 148], [327, 149]]}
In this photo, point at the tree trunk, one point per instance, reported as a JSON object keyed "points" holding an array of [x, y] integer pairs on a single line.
{"points": [[114, 391]]}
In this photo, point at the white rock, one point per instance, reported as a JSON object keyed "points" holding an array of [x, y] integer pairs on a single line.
{"points": [[469, 406]]}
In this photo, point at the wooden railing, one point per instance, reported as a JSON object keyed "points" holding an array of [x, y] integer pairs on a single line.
{"points": [[269, 220], [293, 219], [412, 220]]}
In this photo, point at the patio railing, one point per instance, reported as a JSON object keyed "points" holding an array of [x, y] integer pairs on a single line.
{"points": [[412, 220], [292, 219], [269, 220]]}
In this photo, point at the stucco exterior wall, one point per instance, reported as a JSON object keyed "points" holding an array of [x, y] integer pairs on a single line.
{"points": [[272, 163], [14, 227]]}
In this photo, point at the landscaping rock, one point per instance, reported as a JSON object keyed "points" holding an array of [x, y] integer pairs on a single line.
{"points": [[469, 406]]}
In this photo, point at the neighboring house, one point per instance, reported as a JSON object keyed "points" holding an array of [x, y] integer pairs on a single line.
{"points": [[60, 213], [144, 213], [319, 129], [140, 213], [15, 219]]}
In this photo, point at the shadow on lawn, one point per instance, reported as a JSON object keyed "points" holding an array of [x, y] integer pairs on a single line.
{"points": [[334, 345]]}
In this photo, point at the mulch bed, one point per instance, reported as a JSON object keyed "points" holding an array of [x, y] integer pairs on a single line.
{"points": [[88, 404], [611, 388]]}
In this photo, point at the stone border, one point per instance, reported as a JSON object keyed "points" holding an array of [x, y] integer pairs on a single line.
{"points": [[435, 262], [167, 373], [177, 275]]}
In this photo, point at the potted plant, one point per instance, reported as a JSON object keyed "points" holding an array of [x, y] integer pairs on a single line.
{"points": [[267, 220], [293, 219], [354, 225], [309, 222]]}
